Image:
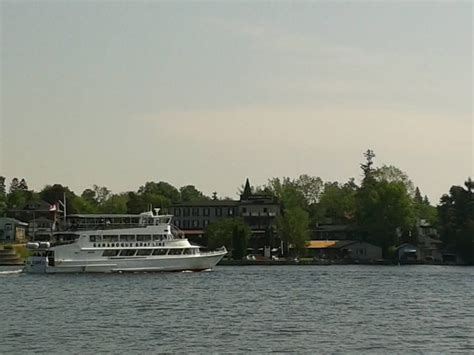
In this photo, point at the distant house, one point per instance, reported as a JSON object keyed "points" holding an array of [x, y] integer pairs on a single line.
{"points": [[344, 249], [430, 248], [12, 230], [407, 252], [40, 216], [33, 210], [424, 228]]}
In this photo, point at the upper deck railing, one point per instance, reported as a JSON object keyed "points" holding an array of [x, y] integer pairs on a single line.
{"points": [[112, 221]]}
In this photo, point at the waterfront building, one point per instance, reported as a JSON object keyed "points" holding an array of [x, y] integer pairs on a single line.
{"points": [[12, 230], [344, 250], [40, 217], [259, 212], [407, 253]]}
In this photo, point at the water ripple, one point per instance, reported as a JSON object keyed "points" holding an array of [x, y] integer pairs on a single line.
{"points": [[288, 309]]}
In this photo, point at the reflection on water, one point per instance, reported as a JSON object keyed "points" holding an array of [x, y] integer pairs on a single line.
{"points": [[298, 309]]}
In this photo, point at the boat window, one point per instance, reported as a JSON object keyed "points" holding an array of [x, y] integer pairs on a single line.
{"points": [[128, 252], [188, 251], [110, 238], [127, 238], [109, 252], [156, 237], [175, 252], [144, 252], [92, 238], [160, 251], [143, 238]]}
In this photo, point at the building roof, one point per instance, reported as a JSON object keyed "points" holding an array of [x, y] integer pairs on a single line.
{"points": [[320, 244], [206, 203], [331, 244], [13, 220]]}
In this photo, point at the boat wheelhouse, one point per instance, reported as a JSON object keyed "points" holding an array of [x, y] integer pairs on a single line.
{"points": [[119, 243]]}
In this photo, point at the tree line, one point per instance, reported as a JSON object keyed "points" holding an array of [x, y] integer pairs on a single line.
{"points": [[382, 209]]}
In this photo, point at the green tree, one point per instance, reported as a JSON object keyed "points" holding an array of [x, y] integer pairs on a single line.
{"points": [[221, 233], [22, 185], [18, 198], [54, 193], [3, 190], [423, 208], [293, 228], [456, 219], [115, 203], [136, 203], [14, 184], [189, 193], [101, 194], [390, 173], [240, 235], [3, 196], [161, 188], [287, 192], [310, 187], [384, 208], [337, 203], [83, 205]]}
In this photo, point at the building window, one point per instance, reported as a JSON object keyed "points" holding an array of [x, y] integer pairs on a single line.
{"points": [[244, 209], [218, 211], [230, 211], [265, 210], [177, 211], [186, 212], [177, 223], [206, 211], [8, 227], [195, 223], [205, 223], [195, 211]]}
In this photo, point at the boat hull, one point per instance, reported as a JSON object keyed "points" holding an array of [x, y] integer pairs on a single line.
{"points": [[200, 262]]}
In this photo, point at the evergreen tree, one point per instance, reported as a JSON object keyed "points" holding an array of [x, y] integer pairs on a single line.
{"points": [[418, 198], [384, 208], [23, 185], [3, 196], [3, 189], [14, 185], [456, 218], [367, 167], [239, 242]]}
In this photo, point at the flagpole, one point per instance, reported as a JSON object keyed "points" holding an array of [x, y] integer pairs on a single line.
{"points": [[64, 208]]}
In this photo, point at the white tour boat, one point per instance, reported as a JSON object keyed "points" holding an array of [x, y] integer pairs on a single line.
{"points": [[119, 243]]}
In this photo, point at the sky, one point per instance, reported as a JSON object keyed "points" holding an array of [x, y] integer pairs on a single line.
{"points": [[117, 93]]}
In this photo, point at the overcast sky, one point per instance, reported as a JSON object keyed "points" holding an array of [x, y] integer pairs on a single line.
{"points": [[209, 93]]}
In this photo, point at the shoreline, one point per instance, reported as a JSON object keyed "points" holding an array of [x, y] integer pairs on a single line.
{"points": [[326, 263]]}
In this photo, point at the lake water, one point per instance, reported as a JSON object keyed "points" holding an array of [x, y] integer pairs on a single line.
{"points": [[297, 309]]}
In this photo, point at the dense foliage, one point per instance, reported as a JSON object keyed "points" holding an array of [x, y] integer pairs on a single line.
{"points": [[232, 233], [456, 217]]}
